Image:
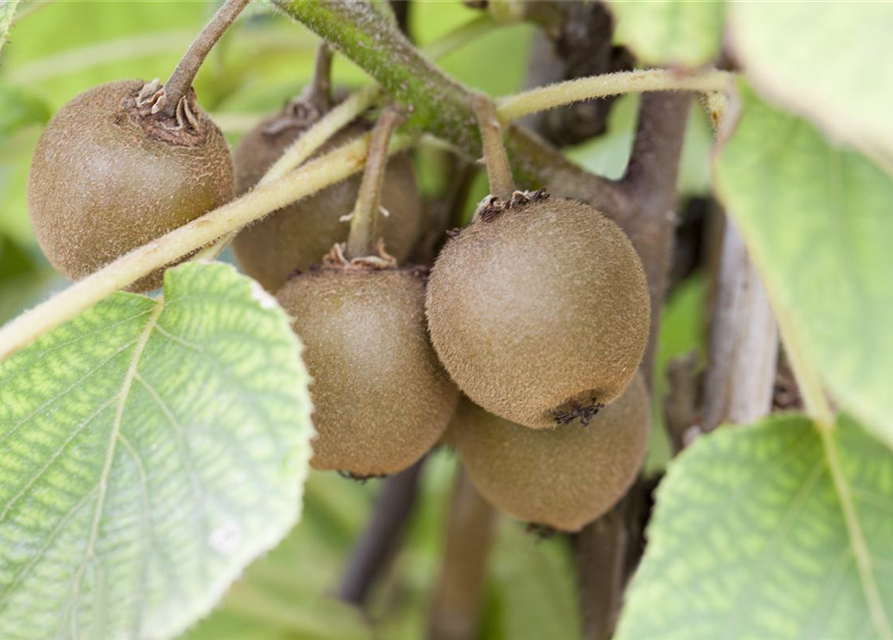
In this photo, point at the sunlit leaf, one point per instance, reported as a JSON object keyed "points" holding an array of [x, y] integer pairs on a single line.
{"points": [[149, 450], [769, 531], [828, 61]]}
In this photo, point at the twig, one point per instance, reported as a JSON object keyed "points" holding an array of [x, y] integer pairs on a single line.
{"points": [[378, 544], [456, 606], [364, 219], [181, 79], [499, 173], [743, 349]]}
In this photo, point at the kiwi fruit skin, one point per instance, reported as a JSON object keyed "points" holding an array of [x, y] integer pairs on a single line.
{"points": [[540, 312], [381, 397], [294, 237], [562, 478], [101, 184]]}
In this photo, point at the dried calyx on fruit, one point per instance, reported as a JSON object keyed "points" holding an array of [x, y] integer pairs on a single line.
{"points": [[380, 395], [126, 162], [298, 235], [561, 478], [539, 309]]}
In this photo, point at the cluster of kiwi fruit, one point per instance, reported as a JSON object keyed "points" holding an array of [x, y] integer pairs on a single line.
{"points": [[538, 310]]}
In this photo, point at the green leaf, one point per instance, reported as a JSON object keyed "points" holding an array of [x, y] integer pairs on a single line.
{"points": [[775, 530], [828, 61], [7, 13], [149, 450], [817, 219], [670, 32]]}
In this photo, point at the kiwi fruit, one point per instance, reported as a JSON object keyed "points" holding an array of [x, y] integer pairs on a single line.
{"points": [[380, 395], [539, 310], [298, 235], [109, 176], [561, 478]]}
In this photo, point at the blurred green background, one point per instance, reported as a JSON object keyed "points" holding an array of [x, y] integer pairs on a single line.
{"points": [[58, 49]]}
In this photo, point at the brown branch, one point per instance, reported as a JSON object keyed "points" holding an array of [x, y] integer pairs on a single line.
{"points": [[743, 348], [378, 544], [456, 606], [647, 217]]}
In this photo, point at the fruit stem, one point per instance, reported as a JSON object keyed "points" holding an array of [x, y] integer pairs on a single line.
{"points": [[180, 82], [363, 222], [559, 94], [320, 91], [502, 185]]}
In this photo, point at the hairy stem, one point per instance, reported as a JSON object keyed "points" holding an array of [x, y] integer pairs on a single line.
{"points": [[378, 544], [304, 147], [364, 221], [610, 84], [439, 105], [502, 185], [180, 82], [456, 606], [319, 174]]}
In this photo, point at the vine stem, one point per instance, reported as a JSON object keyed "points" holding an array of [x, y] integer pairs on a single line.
{"points": [[304, 147], [181, 79], [502, 185], [361, 239], [316, 175], [610, 84]]}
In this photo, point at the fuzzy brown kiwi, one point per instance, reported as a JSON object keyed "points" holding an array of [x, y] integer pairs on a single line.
{"points": [[539, 310], [380, 396], [108, 176], [300, 234], [561, 478]]}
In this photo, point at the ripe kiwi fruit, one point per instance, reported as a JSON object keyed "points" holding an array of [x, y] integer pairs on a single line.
{"points": [[380, 395], [539, 310], [109, 176], [561, 478], [300, 234]]}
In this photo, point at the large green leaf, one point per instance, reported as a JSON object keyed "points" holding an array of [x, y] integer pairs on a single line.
{"points": [[826, 60], [770, 531], [817, 219], [670, 32], [149, 450]]}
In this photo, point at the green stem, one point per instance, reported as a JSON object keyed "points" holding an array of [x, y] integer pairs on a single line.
{"points": [[363, 223], [437, 103]]}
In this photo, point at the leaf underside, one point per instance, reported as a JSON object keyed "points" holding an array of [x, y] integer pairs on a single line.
{"points": [[149, 450]]}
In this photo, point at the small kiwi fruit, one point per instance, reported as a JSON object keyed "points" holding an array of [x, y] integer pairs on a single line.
{"points": [[380, 395], [561, 478], [539, 310], [108, 176], [300, 234]]}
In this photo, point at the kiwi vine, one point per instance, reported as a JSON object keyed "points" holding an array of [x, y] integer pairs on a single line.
{"points": [[529, 335]]}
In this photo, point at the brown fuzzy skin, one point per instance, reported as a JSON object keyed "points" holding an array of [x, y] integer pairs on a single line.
{"points": [[298, 235], [101, 185], [563, 478], [541, 308], [380, 395]]}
